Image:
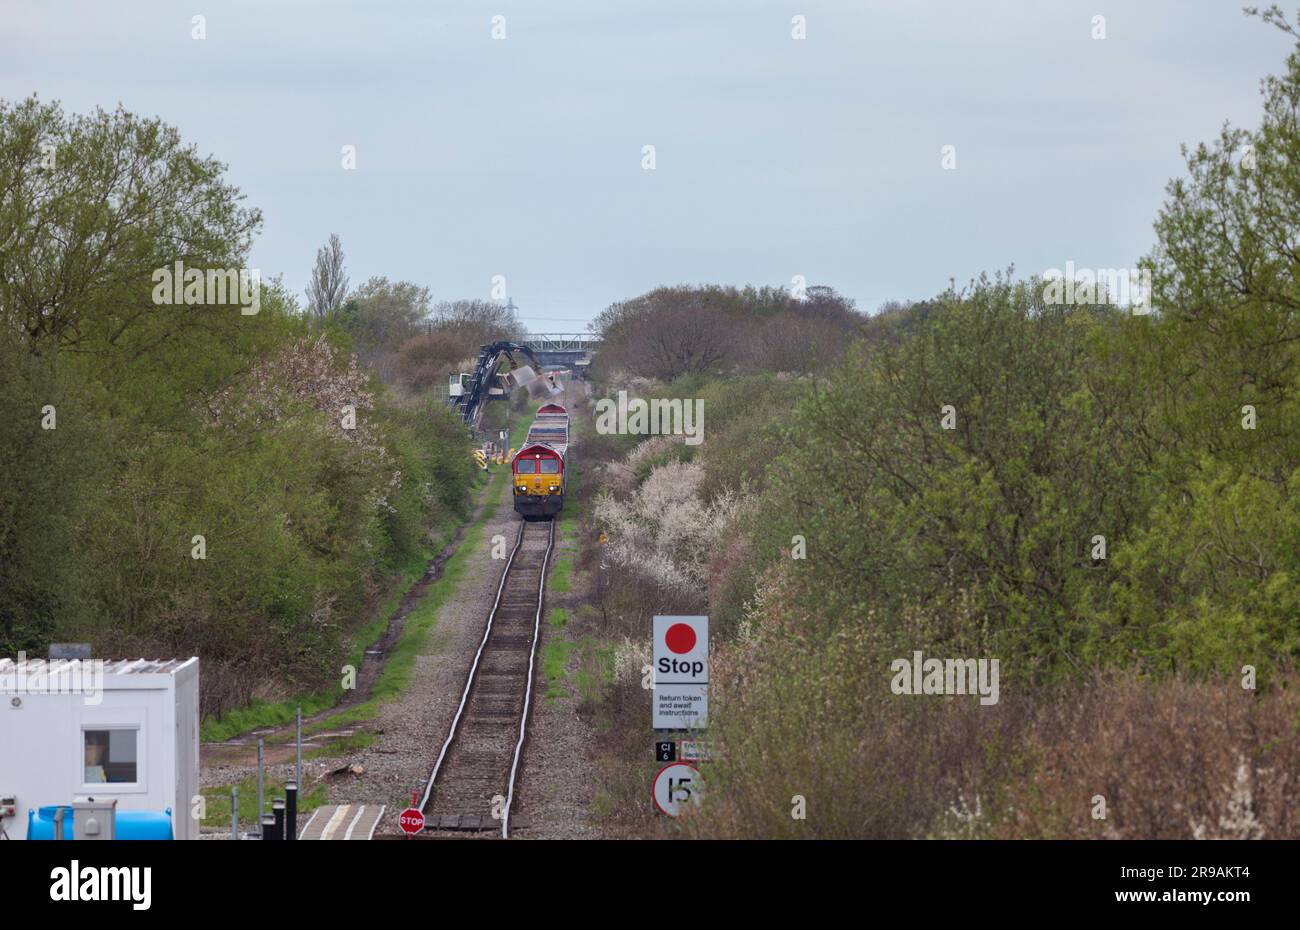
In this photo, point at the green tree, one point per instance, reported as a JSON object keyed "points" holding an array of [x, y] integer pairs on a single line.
{"points": [[1209, 583], [217, 482], [972, 464], [50, 467], [381, 315], [90, 207]]}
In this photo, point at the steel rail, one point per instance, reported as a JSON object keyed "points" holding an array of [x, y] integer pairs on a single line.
{"points": [[472, 679], [473, 671]]}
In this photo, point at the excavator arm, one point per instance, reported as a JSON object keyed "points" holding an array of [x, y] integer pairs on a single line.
{"points": [[470, 393]]}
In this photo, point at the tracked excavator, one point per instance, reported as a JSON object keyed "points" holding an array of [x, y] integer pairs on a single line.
{"points": [[469, 392]]}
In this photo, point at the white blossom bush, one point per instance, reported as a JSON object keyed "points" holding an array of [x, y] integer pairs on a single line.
{"points": [[630, 657], [1237, 821], [314, 373], [621, 474], [651, 448], [665, 531], [309, 370], [617, 476]]}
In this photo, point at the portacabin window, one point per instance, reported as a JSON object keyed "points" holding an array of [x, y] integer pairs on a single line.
{"points": [[111, 755]]}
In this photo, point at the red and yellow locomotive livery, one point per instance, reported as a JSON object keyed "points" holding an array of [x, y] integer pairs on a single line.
{"points": [[538, 467]]}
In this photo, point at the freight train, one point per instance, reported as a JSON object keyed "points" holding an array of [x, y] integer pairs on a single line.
{"points": [[538, 467]]}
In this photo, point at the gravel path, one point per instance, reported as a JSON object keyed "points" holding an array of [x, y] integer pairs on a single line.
{"points": [[411, 729], [557, 789]]}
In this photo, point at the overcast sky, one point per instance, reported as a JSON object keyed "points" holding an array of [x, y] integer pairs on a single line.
{"points": [[775, 157]]}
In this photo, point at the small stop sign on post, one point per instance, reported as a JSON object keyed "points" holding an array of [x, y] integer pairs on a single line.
{"points": [[411, 820]]}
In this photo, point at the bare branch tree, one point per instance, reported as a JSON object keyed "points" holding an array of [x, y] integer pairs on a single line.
{"points": [[329, 285], [1274, 16], [477, 321], [683, 330]]}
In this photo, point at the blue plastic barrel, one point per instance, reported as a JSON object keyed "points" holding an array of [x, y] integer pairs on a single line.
{"points": [[40, 823], [128, 825]]}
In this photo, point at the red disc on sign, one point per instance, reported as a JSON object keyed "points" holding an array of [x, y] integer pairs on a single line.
{"points": [[680, 638], [411, 820]]}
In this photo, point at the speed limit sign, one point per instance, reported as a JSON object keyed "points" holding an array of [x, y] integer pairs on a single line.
{"points": [[675, 786]]}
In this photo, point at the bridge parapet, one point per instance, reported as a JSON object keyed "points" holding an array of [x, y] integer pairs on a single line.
{"points": [[562, 342]]}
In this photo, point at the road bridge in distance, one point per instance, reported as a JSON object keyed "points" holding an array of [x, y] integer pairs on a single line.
{"points": [[563, 350]]}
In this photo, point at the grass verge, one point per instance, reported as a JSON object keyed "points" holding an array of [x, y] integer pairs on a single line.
{"points": [[555, 658], [343, 745], [217, 801], [260, 714], [397, 671]]}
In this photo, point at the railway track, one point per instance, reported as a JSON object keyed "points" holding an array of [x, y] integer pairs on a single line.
{"points": [[472, 784]]}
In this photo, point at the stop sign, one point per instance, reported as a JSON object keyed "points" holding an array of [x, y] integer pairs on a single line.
{"points": [[411, 820]]}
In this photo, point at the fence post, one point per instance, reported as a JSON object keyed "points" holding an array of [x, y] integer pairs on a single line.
{"points": [[277, 810], [291, 811], [234, 812], [260, 771]]}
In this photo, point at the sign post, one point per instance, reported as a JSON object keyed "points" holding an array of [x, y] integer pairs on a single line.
{"points": [[411, 820], [681, 702]]}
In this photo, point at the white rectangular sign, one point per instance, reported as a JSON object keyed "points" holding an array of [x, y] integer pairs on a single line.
{"points": [[681, 672], [693, 750]]}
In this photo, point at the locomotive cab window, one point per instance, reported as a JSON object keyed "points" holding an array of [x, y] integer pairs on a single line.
{"points": [[526, 467], [550, 466]]}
